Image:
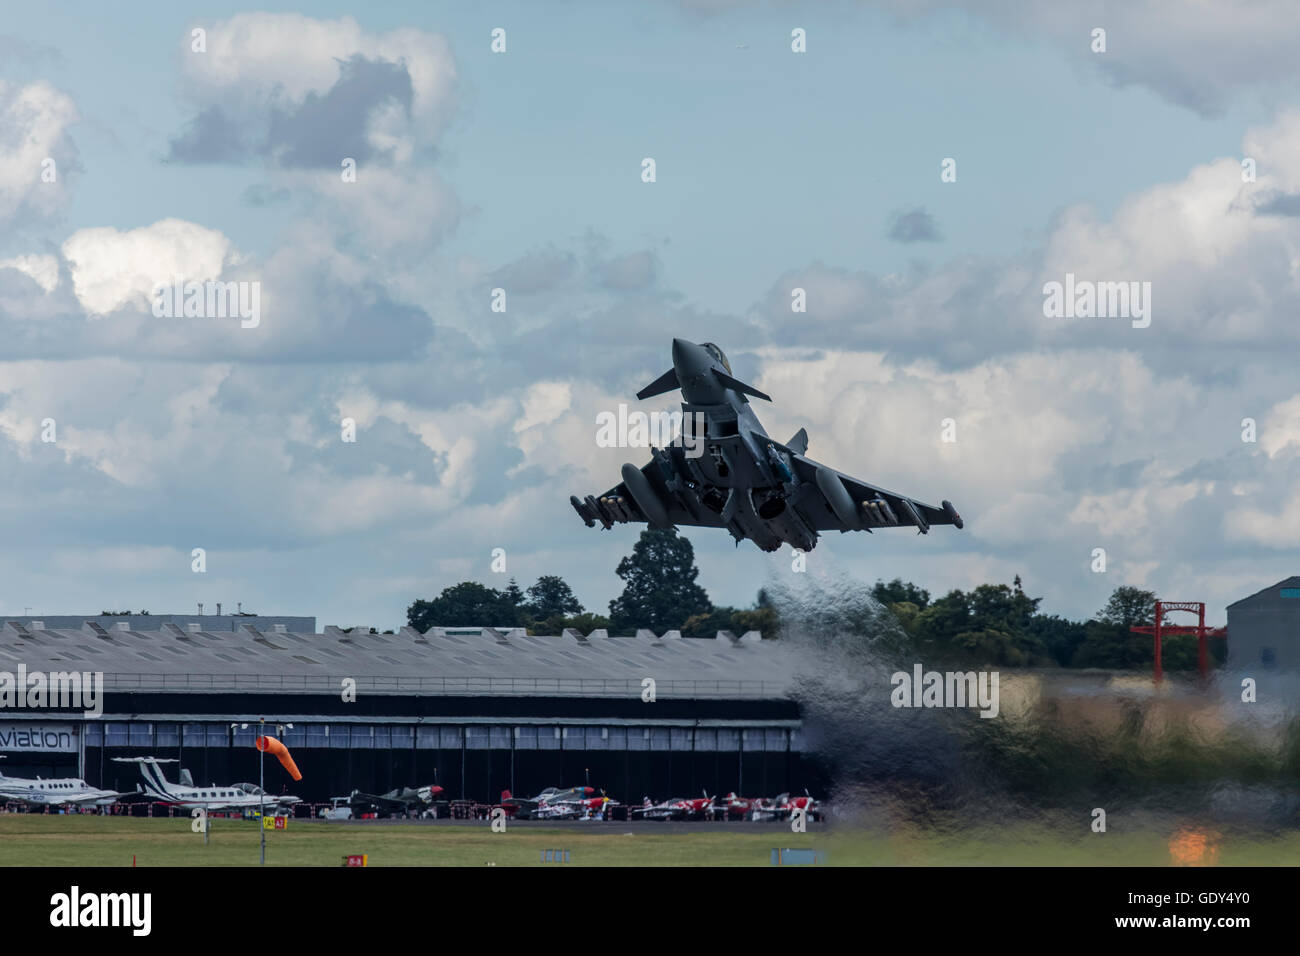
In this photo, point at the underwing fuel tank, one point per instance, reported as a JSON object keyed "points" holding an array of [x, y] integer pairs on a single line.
{"points": [[837, 496], [638, 486]]}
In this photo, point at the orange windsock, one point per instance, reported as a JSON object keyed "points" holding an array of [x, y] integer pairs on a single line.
{"points": [[270, 745]]}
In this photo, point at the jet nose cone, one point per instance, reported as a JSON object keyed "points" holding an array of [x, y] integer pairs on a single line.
{"points": [[688, 357]]}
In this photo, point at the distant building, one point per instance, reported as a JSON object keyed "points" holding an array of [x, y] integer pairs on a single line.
{"points": [[1264, 629], [154, 622], [478, 710]]}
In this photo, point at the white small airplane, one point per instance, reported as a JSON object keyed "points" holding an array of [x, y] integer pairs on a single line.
{"points": [[213, 797], [54, 793]]}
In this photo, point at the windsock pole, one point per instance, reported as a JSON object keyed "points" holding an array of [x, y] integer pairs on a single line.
{"points": [[261, 797]]}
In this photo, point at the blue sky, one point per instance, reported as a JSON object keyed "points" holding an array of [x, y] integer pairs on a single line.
{"points": [[775, 169]]}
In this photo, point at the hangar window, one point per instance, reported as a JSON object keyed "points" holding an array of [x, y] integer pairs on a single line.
{"points": [[217, 736], [476, 738], [706, 740], [680, 739], [141, 735], [499, 738], [751, 740], [115, 735], [449, 738], [317, 735], [548, 738], [382, 738], [402, 735], [1291, 592], [194, 735], [796, 741], [597, 738], [728, 740], [94, 735], [525, 738], [426, 738], [775, 740], [660, 738], [617, 738], [340, 735], [362, 737]]}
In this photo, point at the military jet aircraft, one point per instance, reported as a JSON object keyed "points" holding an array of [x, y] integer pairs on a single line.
{"points": [[725, 471]]}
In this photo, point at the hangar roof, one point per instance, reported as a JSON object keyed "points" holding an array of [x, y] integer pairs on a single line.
{"points": [[1287, 590], [442, 661]]}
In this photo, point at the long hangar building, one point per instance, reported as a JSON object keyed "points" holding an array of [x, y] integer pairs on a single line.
{"points": [[479, 710]]}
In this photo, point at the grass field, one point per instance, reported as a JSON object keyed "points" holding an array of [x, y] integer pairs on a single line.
{"points": [[41, 840]]}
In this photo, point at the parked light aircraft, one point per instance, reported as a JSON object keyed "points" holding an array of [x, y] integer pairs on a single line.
{"points": [[54, 793], [212, 797]]}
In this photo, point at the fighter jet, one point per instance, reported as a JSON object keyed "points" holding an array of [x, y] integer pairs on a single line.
{"points": [[724, 471]]}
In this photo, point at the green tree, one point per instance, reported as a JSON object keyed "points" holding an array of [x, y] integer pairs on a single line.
{"points": [[1129, 606], [990, 624], [907, 614], [710, 622], [761, 619], [899, 591], [660, 590], [515, 597], [1060, 637], [467, 604], [1113, 646], [583, 623], [551, 597]]}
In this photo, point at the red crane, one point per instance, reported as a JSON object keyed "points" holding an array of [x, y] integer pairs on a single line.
{"points": [[1159, 629]]}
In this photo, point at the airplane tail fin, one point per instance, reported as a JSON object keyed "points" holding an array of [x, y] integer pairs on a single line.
{"points": [[799, 442], [664, 383], [506, 796], [187, 779]]}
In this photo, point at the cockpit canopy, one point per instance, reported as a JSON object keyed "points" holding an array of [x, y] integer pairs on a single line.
{"points": [[718, 354]]}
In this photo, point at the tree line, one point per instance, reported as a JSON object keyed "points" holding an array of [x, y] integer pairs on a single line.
{"points": [[994, 624]]}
